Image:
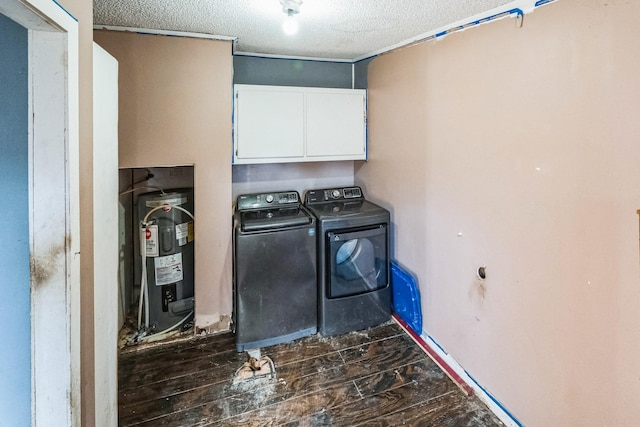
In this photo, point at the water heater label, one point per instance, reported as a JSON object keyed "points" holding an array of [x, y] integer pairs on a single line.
{"points": [[184, 233], [151, 237], [168, 269], [191, 232]]}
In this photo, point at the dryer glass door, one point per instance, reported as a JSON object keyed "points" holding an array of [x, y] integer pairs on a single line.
{"points": [[358, 261]]}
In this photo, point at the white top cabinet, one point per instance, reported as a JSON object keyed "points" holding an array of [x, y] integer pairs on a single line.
{"points": [[277, 124]]}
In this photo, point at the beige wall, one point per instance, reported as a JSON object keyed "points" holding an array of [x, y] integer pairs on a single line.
{"points": [[290, 176], [518, 148], [175, 109]]}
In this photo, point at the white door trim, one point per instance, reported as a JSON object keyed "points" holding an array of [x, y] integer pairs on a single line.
{"points": [[105, 231], [54, 203]]}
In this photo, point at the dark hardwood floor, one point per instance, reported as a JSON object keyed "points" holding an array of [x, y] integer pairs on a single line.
{"points": [[378, 377]]}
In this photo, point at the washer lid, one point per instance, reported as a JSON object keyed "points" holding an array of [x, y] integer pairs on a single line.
{"points": [[273, 218]]}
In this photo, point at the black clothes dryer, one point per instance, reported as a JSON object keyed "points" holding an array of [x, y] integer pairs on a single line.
{"points": [[353, 260], [274, 270]]}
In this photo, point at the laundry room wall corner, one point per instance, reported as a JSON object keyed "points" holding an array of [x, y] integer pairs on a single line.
{"points": [[514, 148]]}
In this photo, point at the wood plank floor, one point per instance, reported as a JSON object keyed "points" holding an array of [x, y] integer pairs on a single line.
{"points": [[377, 377]]}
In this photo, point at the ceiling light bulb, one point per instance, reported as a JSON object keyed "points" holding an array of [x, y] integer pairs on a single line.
{"points": [[290, 25]]}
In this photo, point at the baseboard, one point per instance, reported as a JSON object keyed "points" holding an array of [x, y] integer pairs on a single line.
{"points": [[458, 375]]}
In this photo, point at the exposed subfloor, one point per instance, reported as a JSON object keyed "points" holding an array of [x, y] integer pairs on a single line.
{"points": [[378, 377]]}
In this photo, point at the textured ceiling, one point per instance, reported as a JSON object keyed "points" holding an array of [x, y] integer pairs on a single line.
{"points": [[328, 29]]}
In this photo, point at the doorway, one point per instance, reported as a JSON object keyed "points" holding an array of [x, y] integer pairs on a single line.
{"points": [[15, 401], [48, 305]]}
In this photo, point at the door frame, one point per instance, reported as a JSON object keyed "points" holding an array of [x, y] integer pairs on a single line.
{"points": [[54, 204]]}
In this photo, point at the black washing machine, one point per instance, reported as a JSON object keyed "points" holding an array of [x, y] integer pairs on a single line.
{"points": [[353, 260], [274, 270]]}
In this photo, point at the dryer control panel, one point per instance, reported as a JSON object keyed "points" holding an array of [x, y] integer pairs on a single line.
{"points": [[333, 194]]}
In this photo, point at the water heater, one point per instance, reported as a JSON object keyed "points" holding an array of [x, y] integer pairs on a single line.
{"points": [[168, 231]]}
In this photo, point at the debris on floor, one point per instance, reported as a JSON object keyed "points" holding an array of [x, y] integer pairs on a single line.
{"points": [[129, 336], [256, 366]]}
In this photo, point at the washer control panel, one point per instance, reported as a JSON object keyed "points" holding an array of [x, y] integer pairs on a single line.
{"points": [[352, 193], [333, 194], [267, 200]]}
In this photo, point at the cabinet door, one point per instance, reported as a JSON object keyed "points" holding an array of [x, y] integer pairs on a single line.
{"points": [[336, 124], [269, 124]]}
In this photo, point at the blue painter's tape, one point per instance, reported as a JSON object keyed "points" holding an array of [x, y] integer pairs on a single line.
{"points": [[233, 124], [514, 11], [493, 399], [65, 11], [437, 345], [500, 405]]}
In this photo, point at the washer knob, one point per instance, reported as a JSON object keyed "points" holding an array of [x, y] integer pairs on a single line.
{"points": [[335, 194], [269, 198]]}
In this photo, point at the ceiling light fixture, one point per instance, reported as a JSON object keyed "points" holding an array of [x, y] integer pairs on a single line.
{"points": [[290, 8]]}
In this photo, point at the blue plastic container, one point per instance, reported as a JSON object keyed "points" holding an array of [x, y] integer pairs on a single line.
{"points": [[406, 297]]}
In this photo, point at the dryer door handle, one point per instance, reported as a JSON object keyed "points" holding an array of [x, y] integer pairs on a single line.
{"points": [[357, 234]]}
